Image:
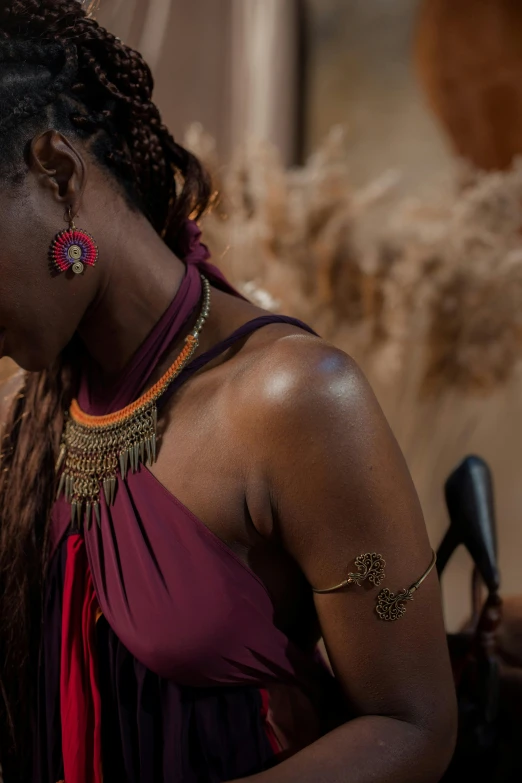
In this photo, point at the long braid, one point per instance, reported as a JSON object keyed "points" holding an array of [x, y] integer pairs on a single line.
{"points": [[84, 81], [32, 434]]}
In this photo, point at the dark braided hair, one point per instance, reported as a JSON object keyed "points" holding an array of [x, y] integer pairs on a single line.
{"points": [[59, 69]]}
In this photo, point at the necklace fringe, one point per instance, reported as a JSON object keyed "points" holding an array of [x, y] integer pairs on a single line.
{"points": [[95, 449]]}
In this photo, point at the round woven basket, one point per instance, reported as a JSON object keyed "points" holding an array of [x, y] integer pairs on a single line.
{"points": [[469, 58]]}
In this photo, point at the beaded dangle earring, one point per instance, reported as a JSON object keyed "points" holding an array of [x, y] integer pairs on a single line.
{"points": [[72, 249]]}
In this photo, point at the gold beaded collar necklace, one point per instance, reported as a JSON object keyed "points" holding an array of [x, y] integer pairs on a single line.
{"points": [[95, 449]]}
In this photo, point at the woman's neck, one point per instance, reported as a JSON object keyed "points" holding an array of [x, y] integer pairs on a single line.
{"points": [[137, 283]]}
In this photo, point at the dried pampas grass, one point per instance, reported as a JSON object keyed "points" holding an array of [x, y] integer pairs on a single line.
{"points": [[372, 271]]}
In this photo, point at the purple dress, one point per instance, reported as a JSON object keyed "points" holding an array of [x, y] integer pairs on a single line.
{"points": [[197, 683]]}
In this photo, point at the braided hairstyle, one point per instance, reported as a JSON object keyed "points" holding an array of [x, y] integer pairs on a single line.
{"points": [[59, 69]]}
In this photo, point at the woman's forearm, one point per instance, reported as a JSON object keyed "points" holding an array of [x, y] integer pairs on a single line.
{"points": [[369, 750]]}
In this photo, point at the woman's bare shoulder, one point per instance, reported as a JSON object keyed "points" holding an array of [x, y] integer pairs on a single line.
{"points": [[291, 369]]}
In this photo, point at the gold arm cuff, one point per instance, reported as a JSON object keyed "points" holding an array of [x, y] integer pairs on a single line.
{"points": [[335, 587], [417, 584], [391, 607], [369, 566]]}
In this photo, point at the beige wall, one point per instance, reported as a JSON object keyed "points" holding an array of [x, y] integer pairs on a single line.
{"points": [[188, 45], [230, 65], [361, 75]]}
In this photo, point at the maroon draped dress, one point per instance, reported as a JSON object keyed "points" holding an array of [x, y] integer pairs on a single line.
{"points": [[160, 659]]}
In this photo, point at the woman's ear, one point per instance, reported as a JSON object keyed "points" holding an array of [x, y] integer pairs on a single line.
{"points": [[59, 166]]}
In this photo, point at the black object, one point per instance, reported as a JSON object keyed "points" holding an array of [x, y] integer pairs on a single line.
{"points": [[470, 503]]}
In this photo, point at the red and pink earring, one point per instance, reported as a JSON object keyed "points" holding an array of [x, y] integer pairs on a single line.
{"points": [[72, 249]]}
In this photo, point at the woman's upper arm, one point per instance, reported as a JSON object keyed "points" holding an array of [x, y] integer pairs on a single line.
{"points": [[340, 487]]}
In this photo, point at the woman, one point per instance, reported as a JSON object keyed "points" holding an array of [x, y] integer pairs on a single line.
{"points": [[141, 640]]}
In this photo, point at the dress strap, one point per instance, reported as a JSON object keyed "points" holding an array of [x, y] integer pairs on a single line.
{"points": [[246, 329]]}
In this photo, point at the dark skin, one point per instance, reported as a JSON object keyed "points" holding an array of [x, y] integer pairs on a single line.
{"points": [[292, 463]]}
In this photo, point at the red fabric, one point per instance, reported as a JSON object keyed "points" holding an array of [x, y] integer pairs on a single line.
{"points": [[269, 729], [80, 702]]}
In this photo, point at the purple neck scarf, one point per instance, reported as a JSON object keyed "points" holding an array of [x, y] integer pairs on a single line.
{"points": [[97, 396]]}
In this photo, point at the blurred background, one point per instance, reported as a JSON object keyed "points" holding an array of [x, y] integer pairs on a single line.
{"points": [[365, 154]]}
